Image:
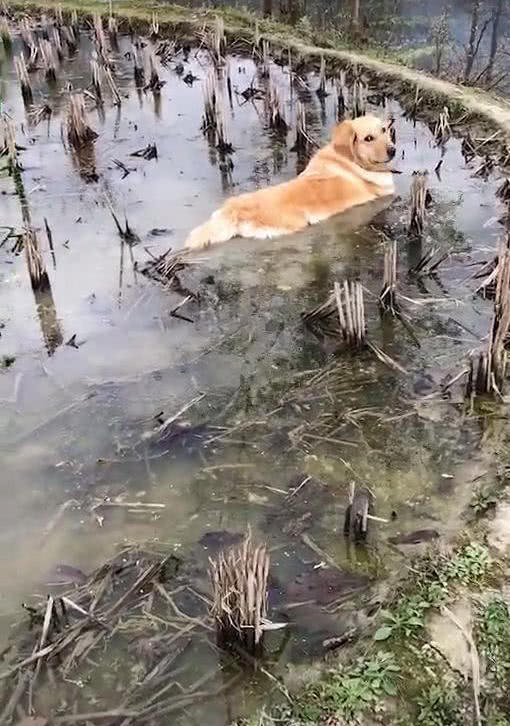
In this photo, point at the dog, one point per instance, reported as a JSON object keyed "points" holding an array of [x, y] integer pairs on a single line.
{"points": [[352, 169]]}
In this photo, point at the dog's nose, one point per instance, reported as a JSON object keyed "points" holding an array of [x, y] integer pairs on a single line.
{"points": [[392, 150]]}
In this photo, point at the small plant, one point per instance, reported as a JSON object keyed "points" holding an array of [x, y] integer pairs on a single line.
{"points": [[352, 690], [483, 501], [405, 620], [439, 705], [469, 565]]}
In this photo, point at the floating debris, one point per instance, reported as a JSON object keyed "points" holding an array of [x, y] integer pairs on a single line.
{"points": [[165, 50], [429, 263], [388, 296], [485, 169], [239, 580], [418, 202], [164, 268], [78, 131], [22, 73], [148, 152], [42, 113]]}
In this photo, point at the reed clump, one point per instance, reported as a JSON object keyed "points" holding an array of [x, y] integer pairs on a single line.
{"points": [[388, 296], [342, 315], [276, 115], [303, 141], [36, 269], [78, 131], [239, 581], [321, 90], [49, 61], [138, 65], [418, 203], [23, 78], [487, 370]]}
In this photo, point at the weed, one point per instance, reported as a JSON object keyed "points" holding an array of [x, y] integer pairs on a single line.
{"points": [[438, 705], [351, 690]]}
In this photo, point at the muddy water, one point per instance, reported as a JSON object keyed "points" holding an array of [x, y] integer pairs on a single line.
{"points": [[75, 423]]}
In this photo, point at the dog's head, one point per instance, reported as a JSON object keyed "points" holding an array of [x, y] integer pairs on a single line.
{"points": [[367, 140]]}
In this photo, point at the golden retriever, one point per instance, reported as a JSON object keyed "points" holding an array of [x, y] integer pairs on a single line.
{"points": [[352, 169]]}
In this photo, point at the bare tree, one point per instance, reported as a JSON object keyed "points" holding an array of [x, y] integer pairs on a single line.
{"points": [[470, 54], [497, 12], [440, 35], [476, 35]]}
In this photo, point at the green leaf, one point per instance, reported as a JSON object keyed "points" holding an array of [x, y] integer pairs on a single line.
{"points": [[383, 633], [389, 688]]}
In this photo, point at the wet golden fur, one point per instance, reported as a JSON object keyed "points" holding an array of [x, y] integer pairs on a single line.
{"points": [[351, 170]]}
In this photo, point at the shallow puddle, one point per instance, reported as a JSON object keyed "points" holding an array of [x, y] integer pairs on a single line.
{"points": [[273, 427]]}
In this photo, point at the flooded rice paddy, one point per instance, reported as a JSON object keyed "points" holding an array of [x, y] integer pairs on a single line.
{"points": [[271, 423]]}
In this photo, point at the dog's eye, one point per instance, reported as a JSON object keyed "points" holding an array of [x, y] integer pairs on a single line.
{"points": [[369, 138]]}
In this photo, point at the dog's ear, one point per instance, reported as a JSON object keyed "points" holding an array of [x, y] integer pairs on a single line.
{"points": [[344, 138]]}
